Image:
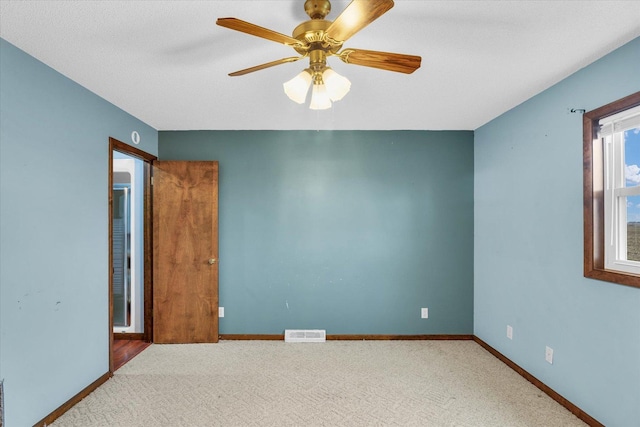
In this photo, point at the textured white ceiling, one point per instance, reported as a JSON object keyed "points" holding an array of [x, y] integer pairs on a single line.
{"points": [[166, 62]]}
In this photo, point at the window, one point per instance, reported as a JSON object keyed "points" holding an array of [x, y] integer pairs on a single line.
{"points": [[620, 134], [612, 192]]}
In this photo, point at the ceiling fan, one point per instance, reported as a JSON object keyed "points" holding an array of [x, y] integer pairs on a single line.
{"points": [[318, 39]]}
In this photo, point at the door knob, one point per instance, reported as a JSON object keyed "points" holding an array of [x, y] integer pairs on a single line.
{"points": [[212, 261]]}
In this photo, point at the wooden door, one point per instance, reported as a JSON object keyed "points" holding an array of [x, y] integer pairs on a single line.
{"points": [[185, 250]]}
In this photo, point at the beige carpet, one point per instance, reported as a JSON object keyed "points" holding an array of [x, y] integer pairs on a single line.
{"points": [[337, 383]]}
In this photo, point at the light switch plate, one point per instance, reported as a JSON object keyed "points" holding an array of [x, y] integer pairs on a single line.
{"points": [[509, 332], [548, 355], [424, 313], [220, 311]]}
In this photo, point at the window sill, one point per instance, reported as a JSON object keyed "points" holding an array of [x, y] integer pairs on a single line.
{"points": [[621, 278]]}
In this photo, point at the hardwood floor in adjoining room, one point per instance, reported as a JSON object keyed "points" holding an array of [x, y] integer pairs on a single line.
{"points": [[125, 350]]}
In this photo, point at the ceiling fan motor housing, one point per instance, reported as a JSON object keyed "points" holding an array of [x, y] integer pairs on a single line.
{"points": [[312, 33]]}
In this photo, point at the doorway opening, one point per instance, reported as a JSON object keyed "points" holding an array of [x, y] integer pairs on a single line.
{"points": [[130, 247], [128, 244]]}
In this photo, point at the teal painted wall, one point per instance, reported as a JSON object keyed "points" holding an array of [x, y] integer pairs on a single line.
{"points": [[529, 248], [53, 233], [348, 231]]}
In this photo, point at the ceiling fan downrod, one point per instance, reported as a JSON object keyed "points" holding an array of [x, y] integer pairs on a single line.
{"points": [[317, 9]]}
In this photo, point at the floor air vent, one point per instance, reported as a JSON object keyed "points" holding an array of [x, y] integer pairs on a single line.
{"points": [[305, 335]]}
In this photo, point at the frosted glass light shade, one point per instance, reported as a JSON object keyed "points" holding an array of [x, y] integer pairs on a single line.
{"points": [[320, 98], [297, 88], [337, 86]]}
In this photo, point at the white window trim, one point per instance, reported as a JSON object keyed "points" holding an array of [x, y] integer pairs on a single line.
{"points": [[620, 122], [612, 130]]}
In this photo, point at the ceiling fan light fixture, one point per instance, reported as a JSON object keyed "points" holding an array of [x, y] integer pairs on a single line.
{"points": [[297, 88], [337, 86], [318, 39], [320, 97]]}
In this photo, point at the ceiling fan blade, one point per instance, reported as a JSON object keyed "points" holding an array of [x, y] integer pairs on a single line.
{"points": [[384, 60], [357, 15], [267, 65], [255, 30]]}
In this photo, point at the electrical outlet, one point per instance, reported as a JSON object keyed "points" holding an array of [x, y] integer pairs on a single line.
{"points": [[548, 355], [220, 311], [424, 313], [509, 332]]}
